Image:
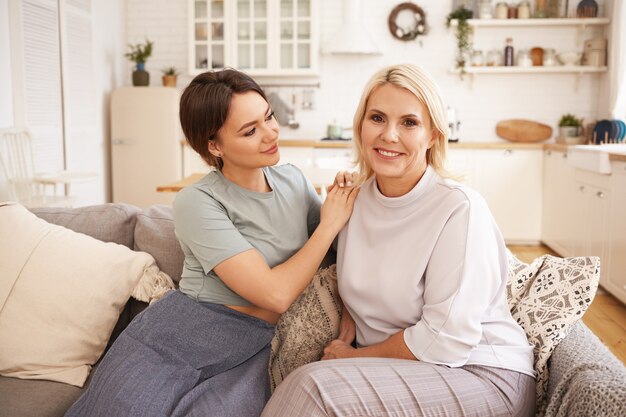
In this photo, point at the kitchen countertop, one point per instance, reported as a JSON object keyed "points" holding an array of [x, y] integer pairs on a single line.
{"points": [[313, 143], [453, 145]]}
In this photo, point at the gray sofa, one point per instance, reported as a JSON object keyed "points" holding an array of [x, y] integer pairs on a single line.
{"points": [[585, 378]]}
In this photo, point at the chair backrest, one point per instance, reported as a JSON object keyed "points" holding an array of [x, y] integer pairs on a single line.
{"points": [[16, 158]]}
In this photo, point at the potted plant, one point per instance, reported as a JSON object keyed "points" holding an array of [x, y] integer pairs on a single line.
{"points": [[138, 54], [169, 76], [569, 126], [463, 35]]}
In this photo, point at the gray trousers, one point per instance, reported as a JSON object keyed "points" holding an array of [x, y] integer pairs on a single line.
{"points": [[395, 387]]}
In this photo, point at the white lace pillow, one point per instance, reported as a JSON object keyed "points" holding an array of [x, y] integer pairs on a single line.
{"points": [[310, 323], [546, 298]]}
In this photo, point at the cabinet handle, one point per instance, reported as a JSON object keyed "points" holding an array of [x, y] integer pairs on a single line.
{"points": [[548, 153], [507, 152], [564, 155], [600, 194], [122, 142], [581, 188]]}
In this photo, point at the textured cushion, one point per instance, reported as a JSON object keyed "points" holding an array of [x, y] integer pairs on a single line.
{"points": [[586, 379], [105, 222], [310, 323], [154, 234], [60, 295], [546, 298]]}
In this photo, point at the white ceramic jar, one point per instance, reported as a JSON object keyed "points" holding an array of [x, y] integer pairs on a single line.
{"points": [[502, 10], [523, 10]]}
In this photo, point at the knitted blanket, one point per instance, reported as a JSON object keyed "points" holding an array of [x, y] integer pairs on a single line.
{"points": [[306, 327], [585, 378]]}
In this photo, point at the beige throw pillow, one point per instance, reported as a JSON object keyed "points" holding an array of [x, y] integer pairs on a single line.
{"points": [[61, 293], [546, 298], [310, 323]]}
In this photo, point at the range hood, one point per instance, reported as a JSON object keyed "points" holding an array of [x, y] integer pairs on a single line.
{"points": [[353, 37]]}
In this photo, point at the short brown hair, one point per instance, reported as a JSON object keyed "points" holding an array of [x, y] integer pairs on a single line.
{"points": [[204, 107]]}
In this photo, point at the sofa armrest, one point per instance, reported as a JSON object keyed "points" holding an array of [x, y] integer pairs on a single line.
{"points": [[585, 378]]}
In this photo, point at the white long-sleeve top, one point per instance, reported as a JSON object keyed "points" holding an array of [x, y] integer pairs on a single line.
{"points": [[432, 262]]}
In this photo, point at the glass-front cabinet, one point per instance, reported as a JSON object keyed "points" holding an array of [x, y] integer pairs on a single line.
{"points": [[261, 37]]}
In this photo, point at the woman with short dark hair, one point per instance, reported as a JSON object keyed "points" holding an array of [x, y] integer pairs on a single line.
{"points": [[253, 235]]}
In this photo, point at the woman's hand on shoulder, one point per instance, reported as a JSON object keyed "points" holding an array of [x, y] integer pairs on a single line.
{"points": [[344, 179], [337, 207]]}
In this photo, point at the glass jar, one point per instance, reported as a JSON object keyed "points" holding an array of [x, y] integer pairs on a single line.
{"points": [[484, 9], [502, 10], [523, 59], [494, 58], [549, 57], [478, 59], [540, 9], [523, 10]]}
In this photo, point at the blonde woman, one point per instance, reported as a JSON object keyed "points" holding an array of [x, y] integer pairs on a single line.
{"points": [[422, 270]]}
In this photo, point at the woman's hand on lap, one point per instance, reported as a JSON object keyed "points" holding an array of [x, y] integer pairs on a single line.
{"points": [[338, 349], [347, 327]]}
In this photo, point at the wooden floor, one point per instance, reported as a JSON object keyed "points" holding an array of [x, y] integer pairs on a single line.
{"points": [[606, 317]]}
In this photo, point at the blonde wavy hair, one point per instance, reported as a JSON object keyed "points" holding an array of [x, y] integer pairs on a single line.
{"points": [[417, 81]]}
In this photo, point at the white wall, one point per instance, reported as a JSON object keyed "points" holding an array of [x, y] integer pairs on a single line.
{"points": [[6, 93], [540, 97], [109, 47]]}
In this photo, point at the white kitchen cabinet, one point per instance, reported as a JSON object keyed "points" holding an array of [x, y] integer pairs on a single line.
{"points": [[260, 37], [576, 210], [510, 180], [559, 214], [462, 165], [302, 157], [616, 265], [145, 144], [319, 165], [592, 205], [192, 162]]}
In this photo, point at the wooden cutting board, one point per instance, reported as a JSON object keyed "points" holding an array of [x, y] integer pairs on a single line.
{"points": [[520, 130]]}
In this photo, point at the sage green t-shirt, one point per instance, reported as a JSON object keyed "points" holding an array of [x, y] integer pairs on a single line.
{"points": [[216, 219]]}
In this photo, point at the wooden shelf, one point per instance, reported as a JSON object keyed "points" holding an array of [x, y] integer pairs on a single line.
{"points": [[591, 21], [560, 69]]}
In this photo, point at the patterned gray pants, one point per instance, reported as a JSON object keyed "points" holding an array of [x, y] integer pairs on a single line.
{"points": [[395, 387]]}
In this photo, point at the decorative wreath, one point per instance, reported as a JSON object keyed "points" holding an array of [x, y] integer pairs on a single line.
{"points": [[407, 34]]}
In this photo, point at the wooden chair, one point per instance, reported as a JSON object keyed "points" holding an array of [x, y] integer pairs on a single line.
{"points": [[25, 185]]}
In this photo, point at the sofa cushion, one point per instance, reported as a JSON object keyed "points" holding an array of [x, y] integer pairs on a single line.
{"points": [[154, 234], [60, 295], [29, 398], [546, 298], [105, 222]]}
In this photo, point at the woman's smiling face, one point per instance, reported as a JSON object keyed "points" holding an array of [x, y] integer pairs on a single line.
{"points": [[396, 134]]}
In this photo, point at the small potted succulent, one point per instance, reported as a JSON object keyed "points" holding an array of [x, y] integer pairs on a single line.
{"points": [[569, 126], [139, 54], [169, 76]]}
